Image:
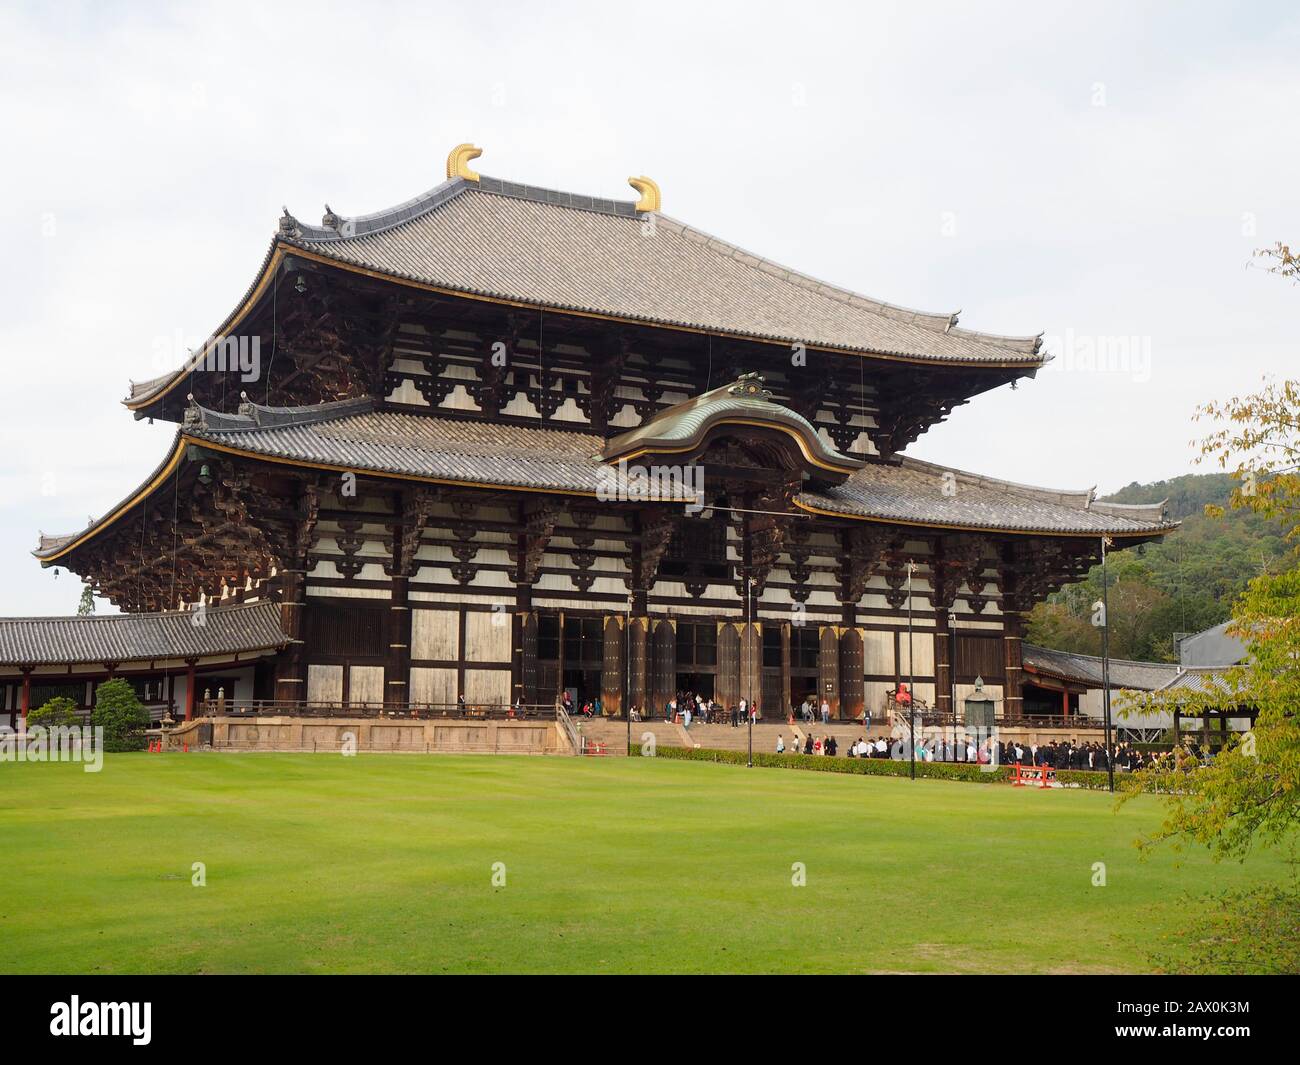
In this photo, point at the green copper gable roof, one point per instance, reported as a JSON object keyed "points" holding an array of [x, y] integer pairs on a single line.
{"points": [[744, 401]]}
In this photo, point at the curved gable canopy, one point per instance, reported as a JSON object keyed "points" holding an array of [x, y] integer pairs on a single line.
{"points": [[743, 405]]}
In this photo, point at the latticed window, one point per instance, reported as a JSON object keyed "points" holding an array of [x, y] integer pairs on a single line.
{"points": [[584, 640], [697, 644], [805, 646]]}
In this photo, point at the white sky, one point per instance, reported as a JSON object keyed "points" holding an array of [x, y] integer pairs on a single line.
{"points": [[1099, 171]]}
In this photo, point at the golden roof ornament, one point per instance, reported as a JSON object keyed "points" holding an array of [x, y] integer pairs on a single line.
{"points": [[458, 162], [649, 191]]}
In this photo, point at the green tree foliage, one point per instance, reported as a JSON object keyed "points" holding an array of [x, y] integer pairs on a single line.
{"points": [[1250, 792], [58, 712], [1185, 583], [86, 606], [119, 712]]}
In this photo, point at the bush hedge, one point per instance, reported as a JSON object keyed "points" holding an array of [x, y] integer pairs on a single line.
{"points": [[877, 767]]}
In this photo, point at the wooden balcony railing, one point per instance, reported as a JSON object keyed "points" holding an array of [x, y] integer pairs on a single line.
{"points": [[409, 711]]}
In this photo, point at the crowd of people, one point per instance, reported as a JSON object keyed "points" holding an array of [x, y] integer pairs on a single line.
{"points": [[1058, 754], [686, 707]]}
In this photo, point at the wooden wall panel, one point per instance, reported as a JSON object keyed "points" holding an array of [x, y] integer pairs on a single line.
{"points": [[435, 687], [435, 635], [979, 656], [487, 636], [878, 653], [324, 684], [366, 686], [487, 687]]}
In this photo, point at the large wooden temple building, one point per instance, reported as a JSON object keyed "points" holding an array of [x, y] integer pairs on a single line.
{"points": [[501, 441]]}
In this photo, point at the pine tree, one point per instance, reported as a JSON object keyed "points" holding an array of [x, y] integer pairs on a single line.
{"points": [[87, 605]]}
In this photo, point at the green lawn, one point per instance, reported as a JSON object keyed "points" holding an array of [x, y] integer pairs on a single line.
{"points": [[383, 863]]}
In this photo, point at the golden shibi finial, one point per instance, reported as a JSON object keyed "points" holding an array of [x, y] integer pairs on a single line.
{"points": [[458, 162], [649, 191]]}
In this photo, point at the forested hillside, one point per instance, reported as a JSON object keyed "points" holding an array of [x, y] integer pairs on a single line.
{"points": [[1184, 584]]}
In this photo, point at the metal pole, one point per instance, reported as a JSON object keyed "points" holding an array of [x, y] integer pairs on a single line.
{"points": [[911, 675], [952, 676], [1105, 669], [627, 672]]}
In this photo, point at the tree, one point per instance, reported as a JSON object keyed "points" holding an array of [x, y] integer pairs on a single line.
{"points": [[1251, 791], [86, 606], [119, 712], [57, 712]]}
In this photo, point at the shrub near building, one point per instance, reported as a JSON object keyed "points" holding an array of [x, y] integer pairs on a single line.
{"points": [[119, 712]]}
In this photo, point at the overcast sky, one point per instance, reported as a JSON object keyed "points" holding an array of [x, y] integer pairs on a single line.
{"points": [[1093, 171]]}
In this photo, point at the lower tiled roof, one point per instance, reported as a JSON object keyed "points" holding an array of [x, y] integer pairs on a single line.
{"points": [[224, 630], [1086, 669], [355, 437]]}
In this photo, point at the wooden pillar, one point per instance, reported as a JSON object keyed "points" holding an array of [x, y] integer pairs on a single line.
{"points": [[612, 673], [664, 657], [638, 695], [942, 665], [397, 668], [190, 683], [786, 708], [523, 664], [828, 670], [290, 667], [751, 665], [1012, 700], [1065, 702], [726, 684], [853, 687], [27, 695]]}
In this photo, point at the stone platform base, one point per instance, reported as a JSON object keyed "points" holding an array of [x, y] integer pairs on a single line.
{"points": [[397, 735]]}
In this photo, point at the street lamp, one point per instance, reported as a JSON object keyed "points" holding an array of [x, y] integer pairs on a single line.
{"points": [[1105, 668]]}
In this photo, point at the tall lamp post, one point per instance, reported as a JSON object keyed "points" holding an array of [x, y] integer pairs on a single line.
{"points": [[749, 715], [911, 673], [1105, 668], [627, 672]]}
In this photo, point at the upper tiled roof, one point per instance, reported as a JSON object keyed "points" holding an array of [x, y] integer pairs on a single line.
{"points": [[515, 242], [224, 630], [519, 243]]}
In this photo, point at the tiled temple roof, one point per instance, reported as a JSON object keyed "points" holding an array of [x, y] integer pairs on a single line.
{"points": [[353, 435], [521, 244], [225, 630], [1135, 676]]}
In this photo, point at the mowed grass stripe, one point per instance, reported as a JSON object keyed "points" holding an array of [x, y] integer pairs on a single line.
{"points": [[382, 863]]}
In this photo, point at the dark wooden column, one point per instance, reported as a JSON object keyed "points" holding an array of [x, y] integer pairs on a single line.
{"points": [[828, 670], [291, 667], [523, 666], [397, 669], [638, 668], [726, 684], [27, 694], [190, 683], [751, 664], [853, 688], [942, 666], [1012, 633], [612, 673], [664, 682]]}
